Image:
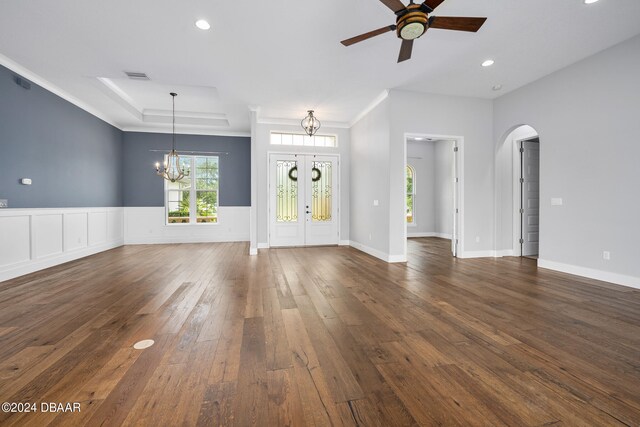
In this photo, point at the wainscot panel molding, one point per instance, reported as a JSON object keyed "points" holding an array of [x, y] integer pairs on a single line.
{"points": [[147, 225], [34, 239]]}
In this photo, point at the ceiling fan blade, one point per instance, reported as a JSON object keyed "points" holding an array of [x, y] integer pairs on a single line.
{"points": [[432, 4], [365, 36], [395, 5], [405, 50], [456, 23]]}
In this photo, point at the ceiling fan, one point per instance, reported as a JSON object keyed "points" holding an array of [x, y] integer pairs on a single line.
{"points": [[413, 21]]}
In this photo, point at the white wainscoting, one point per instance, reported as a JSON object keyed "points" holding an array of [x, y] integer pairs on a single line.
{"points": [[33, 239], [145, 225]]}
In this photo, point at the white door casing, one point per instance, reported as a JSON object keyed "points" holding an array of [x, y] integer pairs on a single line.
{"points": [[456, 209], [303, 200], [530, 197]]}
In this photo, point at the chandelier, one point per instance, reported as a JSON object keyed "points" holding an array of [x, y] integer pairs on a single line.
{"points": [[310, 124], [172, 169]]}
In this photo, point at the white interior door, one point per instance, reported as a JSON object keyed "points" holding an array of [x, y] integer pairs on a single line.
{"points": [[303, 200], [530, 197]]}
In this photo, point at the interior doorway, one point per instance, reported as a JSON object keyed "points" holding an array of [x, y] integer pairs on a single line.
{"points": [[529, 151], [303, 200], [433, 188], [521, 150]]}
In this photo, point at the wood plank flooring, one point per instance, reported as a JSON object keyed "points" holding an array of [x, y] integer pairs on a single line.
{"points": [[317, 337]]}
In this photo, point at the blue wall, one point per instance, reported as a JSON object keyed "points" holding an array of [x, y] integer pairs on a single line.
{"points": [[73, 158], [144, 188], [77, 160]]}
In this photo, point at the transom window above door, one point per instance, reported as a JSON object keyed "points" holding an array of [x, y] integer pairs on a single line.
{"points": [[302, 140]]}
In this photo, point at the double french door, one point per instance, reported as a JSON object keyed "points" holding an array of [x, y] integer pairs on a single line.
{"points": [[303, 200]]}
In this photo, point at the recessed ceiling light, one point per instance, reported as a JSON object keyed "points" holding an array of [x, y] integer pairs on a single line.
{"points": [[488, 63], [202, 24], [589, 1], [417, 138], [497, 87]]}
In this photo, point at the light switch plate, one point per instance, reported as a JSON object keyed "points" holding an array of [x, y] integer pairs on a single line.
{"points": [[4, 203], [556, 201], [375, 203]]}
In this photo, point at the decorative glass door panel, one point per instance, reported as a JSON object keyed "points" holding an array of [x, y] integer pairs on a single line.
{"points": [[303, 201], [286, 191], [321, 191]]}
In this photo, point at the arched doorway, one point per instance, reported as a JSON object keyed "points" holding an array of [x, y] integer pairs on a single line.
{"points": [[519, 157]]}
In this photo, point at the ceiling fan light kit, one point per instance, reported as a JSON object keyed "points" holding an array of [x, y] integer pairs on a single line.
{"points": [[413, 20], [412, 23]]}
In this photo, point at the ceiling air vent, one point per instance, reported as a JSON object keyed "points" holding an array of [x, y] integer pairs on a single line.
{"points": [[137, 76]]}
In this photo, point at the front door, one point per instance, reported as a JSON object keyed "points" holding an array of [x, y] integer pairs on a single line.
{"points": [[303, 200]]}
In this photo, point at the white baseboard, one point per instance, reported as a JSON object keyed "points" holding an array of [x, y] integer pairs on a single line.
{"points": [[253, 251], [429, 234], [396, 258], [505, 252], [606, 276], [477, 254], [376, 253], [263, 246], [343, 243], [486, 254], [35, 239]]}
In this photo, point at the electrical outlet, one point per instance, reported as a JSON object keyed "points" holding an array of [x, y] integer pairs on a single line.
{"points": [[477, 239], [606, 255], [4, 203]]}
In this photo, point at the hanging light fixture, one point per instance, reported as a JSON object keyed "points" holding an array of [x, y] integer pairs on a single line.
{"points": [[172, 170], [310, 124]]}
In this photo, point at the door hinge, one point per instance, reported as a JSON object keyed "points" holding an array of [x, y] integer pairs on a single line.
{"points": [[522, 149], [456, 179], [521, 241], [457, 211], [455, 149], [521, 180], [521, 210]]}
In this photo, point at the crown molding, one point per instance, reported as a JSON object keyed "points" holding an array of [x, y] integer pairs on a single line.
{"points": [[47, 85], [187, 131], [296, 122], [370, 107]]}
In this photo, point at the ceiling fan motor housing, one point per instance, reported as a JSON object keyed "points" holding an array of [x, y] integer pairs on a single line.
{"points": [[413, 23]]}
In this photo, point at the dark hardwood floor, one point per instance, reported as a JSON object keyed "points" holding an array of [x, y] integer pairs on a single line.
{"points": [[317, 336]]}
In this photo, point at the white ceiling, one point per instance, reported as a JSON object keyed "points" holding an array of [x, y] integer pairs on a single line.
{"points": [[285, 56]]}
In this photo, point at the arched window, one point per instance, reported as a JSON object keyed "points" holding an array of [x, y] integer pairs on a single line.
{"points": [[411, 177]]}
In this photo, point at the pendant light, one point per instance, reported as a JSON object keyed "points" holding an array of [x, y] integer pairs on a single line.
{"points": [[310, 124], [172, 170]]}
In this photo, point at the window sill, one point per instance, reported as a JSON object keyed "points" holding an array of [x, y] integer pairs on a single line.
{"points": [[190, 224]]}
